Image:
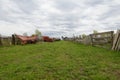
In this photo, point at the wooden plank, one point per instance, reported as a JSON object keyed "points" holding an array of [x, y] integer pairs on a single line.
{"points": [[91, 39], [102, 38], [0, 40], [112, 37], [109, 32], [115, 40], [94, 43], [13, 39], [117, 45]]}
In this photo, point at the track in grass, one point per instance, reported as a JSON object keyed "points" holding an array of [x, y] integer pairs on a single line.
{"points": [[58, 61]]}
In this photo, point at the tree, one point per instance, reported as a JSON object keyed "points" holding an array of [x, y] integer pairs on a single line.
{"points": [[38, 33], [33, 35], [95, 31], [25, 34], [83, 36], [80, 36]]}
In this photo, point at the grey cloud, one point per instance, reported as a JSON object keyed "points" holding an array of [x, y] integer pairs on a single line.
{"points": [[27, 6], [112, 27], [114, 11], [65, 5], [94, 2], [67, 21], [55, 33], [64, 17]]}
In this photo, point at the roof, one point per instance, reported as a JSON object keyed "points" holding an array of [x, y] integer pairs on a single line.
{"points": [[27, 38]]}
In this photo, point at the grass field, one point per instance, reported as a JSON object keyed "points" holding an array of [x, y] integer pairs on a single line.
{"points": [[58, 61]]}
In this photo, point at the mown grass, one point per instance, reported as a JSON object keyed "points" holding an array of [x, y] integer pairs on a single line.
{"points": [[58, 61]]}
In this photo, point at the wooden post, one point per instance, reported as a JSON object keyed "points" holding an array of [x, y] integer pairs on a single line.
{"points": [[116, 39], [119, 44], [112, 38], [0, 40], [118, 47], [13, 39], [91, 36]]}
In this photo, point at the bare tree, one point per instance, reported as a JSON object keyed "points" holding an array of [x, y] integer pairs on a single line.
{"points": [[83, 36], [25, 34], [95, 31], [39, 34]]}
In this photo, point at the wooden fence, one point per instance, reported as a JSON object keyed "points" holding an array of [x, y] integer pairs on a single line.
{"points": [[102, 39], [86, 40], [5, 41], [116, 43], [15, 40]]}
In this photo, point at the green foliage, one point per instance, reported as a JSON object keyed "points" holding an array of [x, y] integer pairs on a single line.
{"points": [[95, 31], [25, 34], [33, 35], [84, 36], [58, 61], [38, 33]]}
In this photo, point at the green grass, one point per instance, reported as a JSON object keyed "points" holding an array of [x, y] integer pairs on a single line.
{"points": [[58, 61]]}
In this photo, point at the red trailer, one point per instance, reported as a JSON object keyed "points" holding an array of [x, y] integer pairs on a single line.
{"points": [[47, 39]]}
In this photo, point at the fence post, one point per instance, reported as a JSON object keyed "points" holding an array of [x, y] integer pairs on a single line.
{"points": [[91, 39], [112, 38], [13, 39], [0, 41]]}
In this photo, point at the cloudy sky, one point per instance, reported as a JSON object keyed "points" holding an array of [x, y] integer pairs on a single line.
{"points": [[58, 17]]}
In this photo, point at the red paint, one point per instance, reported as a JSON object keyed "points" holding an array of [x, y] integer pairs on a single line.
{"points": [[27, 39], [47, 39]]}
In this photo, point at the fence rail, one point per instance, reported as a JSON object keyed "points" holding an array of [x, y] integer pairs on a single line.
{"points": [[5, 41], [102, 38]]}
